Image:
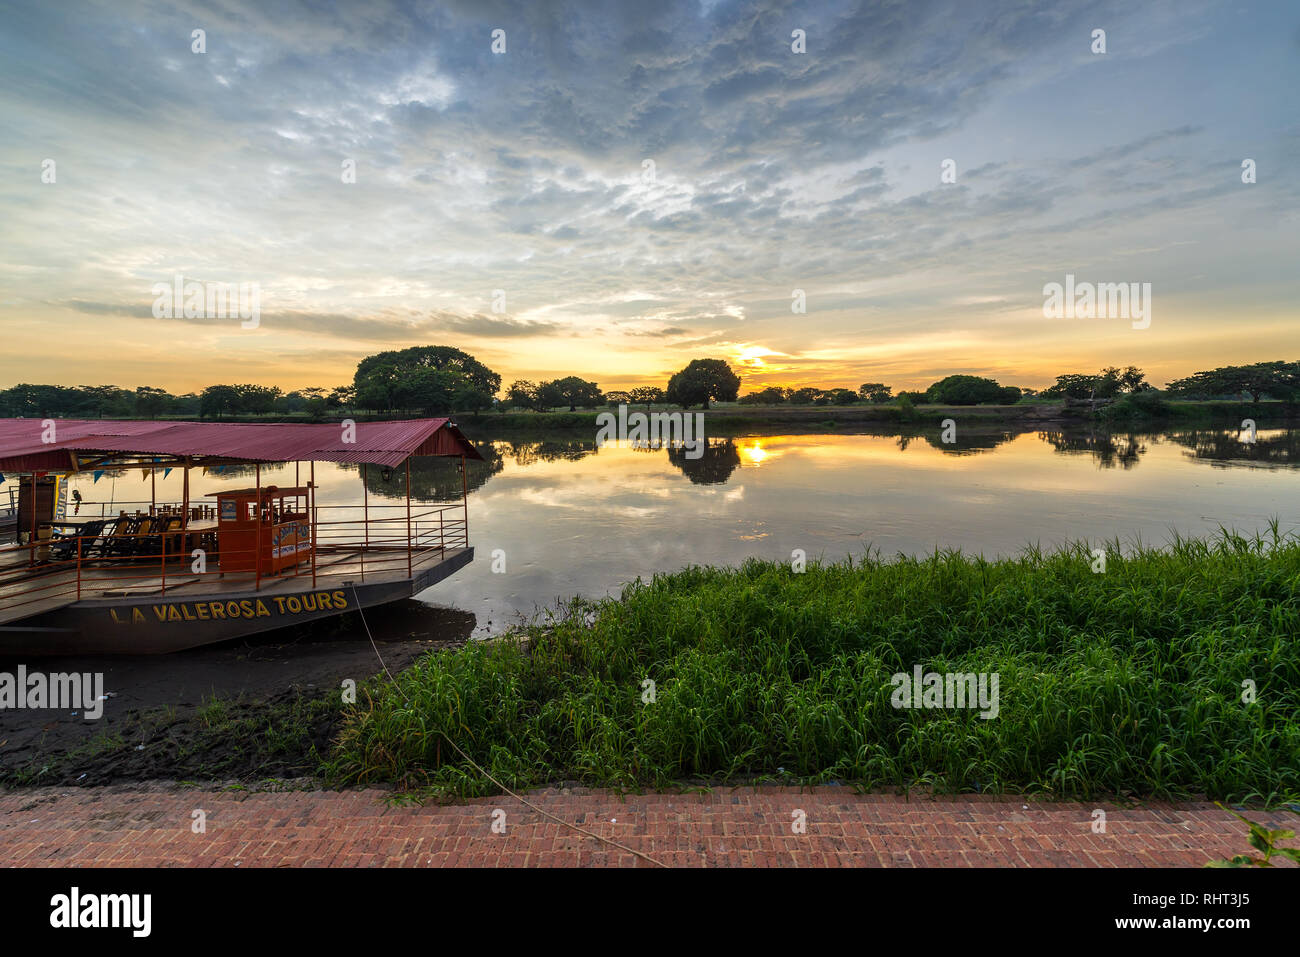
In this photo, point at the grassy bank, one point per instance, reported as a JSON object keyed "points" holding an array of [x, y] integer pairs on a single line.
{"points": [[730, 419], [1150, 409], [1126, 682], [733, 418]]}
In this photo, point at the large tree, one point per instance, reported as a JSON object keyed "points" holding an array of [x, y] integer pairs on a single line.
{"points": [[429, 379], [702, 380], [647, 395], [218, 399], [570, 391], [150, 402], [971, 390], [258, 399], [1275, 380], [876, 392], [772, 395], [1106, 384], [522, 394]]}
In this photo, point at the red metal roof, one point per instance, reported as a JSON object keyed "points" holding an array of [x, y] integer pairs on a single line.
{"points": [[22, 445]]}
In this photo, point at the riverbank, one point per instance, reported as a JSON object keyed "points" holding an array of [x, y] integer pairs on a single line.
{"points": [[1173, 673], [264, 709], [733, 419], [1128, 682]]}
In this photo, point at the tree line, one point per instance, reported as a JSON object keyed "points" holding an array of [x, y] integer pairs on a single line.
{"points": [[146, 402], [1261, 380], [440, 380]]}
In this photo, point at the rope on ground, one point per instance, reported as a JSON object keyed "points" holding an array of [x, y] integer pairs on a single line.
{"points": [[520, 798]]}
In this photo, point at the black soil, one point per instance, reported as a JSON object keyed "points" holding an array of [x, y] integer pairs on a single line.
{"points": [[260, 709]]}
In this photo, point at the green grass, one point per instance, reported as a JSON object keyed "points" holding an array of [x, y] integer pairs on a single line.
{"points": [[1123, 683]]}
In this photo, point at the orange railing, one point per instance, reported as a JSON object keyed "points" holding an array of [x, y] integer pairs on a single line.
{"points": [[49, 573]]}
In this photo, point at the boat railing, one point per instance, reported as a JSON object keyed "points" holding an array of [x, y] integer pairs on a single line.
{"points": [[346, 544], [199, 511]]}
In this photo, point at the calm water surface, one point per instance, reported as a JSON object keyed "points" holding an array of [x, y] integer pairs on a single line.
{"points": [[569, 519]]}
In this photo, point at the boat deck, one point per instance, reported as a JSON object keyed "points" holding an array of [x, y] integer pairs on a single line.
{"points": [[29, 591]]}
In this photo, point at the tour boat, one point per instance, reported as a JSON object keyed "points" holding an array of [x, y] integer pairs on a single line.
{"points": [[175, 575]]}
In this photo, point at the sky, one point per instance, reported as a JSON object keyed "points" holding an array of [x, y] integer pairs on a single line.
{"points": [[621, 187]]}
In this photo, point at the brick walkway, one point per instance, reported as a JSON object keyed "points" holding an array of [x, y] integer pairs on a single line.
{"points": [[152, 826]]}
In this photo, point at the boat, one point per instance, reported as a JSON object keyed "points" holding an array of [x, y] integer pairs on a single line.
{"points": [[170, 576]]}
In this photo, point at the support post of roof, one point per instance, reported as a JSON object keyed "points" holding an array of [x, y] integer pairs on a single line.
{"points": [[185, 510], [257, 548], [31, 531], [311, 481], [185, 501], [409, 573], [365, 516], [464, 496], [162, 539]]}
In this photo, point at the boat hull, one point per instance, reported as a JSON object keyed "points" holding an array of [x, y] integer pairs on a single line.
{"points": [[154, 625]]}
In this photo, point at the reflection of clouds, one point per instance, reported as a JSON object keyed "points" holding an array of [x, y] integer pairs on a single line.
{"points": [[617, 519], [577, 498], [974, 499]]}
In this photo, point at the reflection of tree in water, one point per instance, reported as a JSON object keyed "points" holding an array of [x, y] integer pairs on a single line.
{"points": [[966, 443], [250, 471], [434, 478], [550, 450], [1227, 449], [1106, 450], [714, 467]]}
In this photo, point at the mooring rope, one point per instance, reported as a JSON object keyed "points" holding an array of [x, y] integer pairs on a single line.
{"points": [[484, 772]]}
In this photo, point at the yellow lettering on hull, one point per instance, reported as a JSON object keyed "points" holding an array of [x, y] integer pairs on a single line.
{"points": [[287, 606]]}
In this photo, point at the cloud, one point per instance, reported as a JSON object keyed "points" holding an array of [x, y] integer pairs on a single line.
{"points": [[525, 171]]}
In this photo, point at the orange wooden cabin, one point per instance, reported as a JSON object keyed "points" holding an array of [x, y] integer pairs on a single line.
{"points": [[279, 517]]}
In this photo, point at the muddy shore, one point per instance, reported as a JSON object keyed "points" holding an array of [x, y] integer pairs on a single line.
{"points": [[250, 710]]}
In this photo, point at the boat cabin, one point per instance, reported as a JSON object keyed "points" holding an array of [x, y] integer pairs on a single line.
{"points": [[268, 530]]}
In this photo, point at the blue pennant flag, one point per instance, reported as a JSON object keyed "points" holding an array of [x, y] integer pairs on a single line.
{"points": [[97, 473], [166, 472]]}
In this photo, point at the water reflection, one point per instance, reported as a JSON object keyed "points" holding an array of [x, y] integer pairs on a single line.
{"points": [[571, 518], [574, 519], [549, 450], [964, 442], [1272, 449], [1107, 450], [433, 479], [713, 465]]}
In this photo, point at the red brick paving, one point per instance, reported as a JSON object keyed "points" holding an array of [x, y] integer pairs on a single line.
{"points": [[150, 825]]}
